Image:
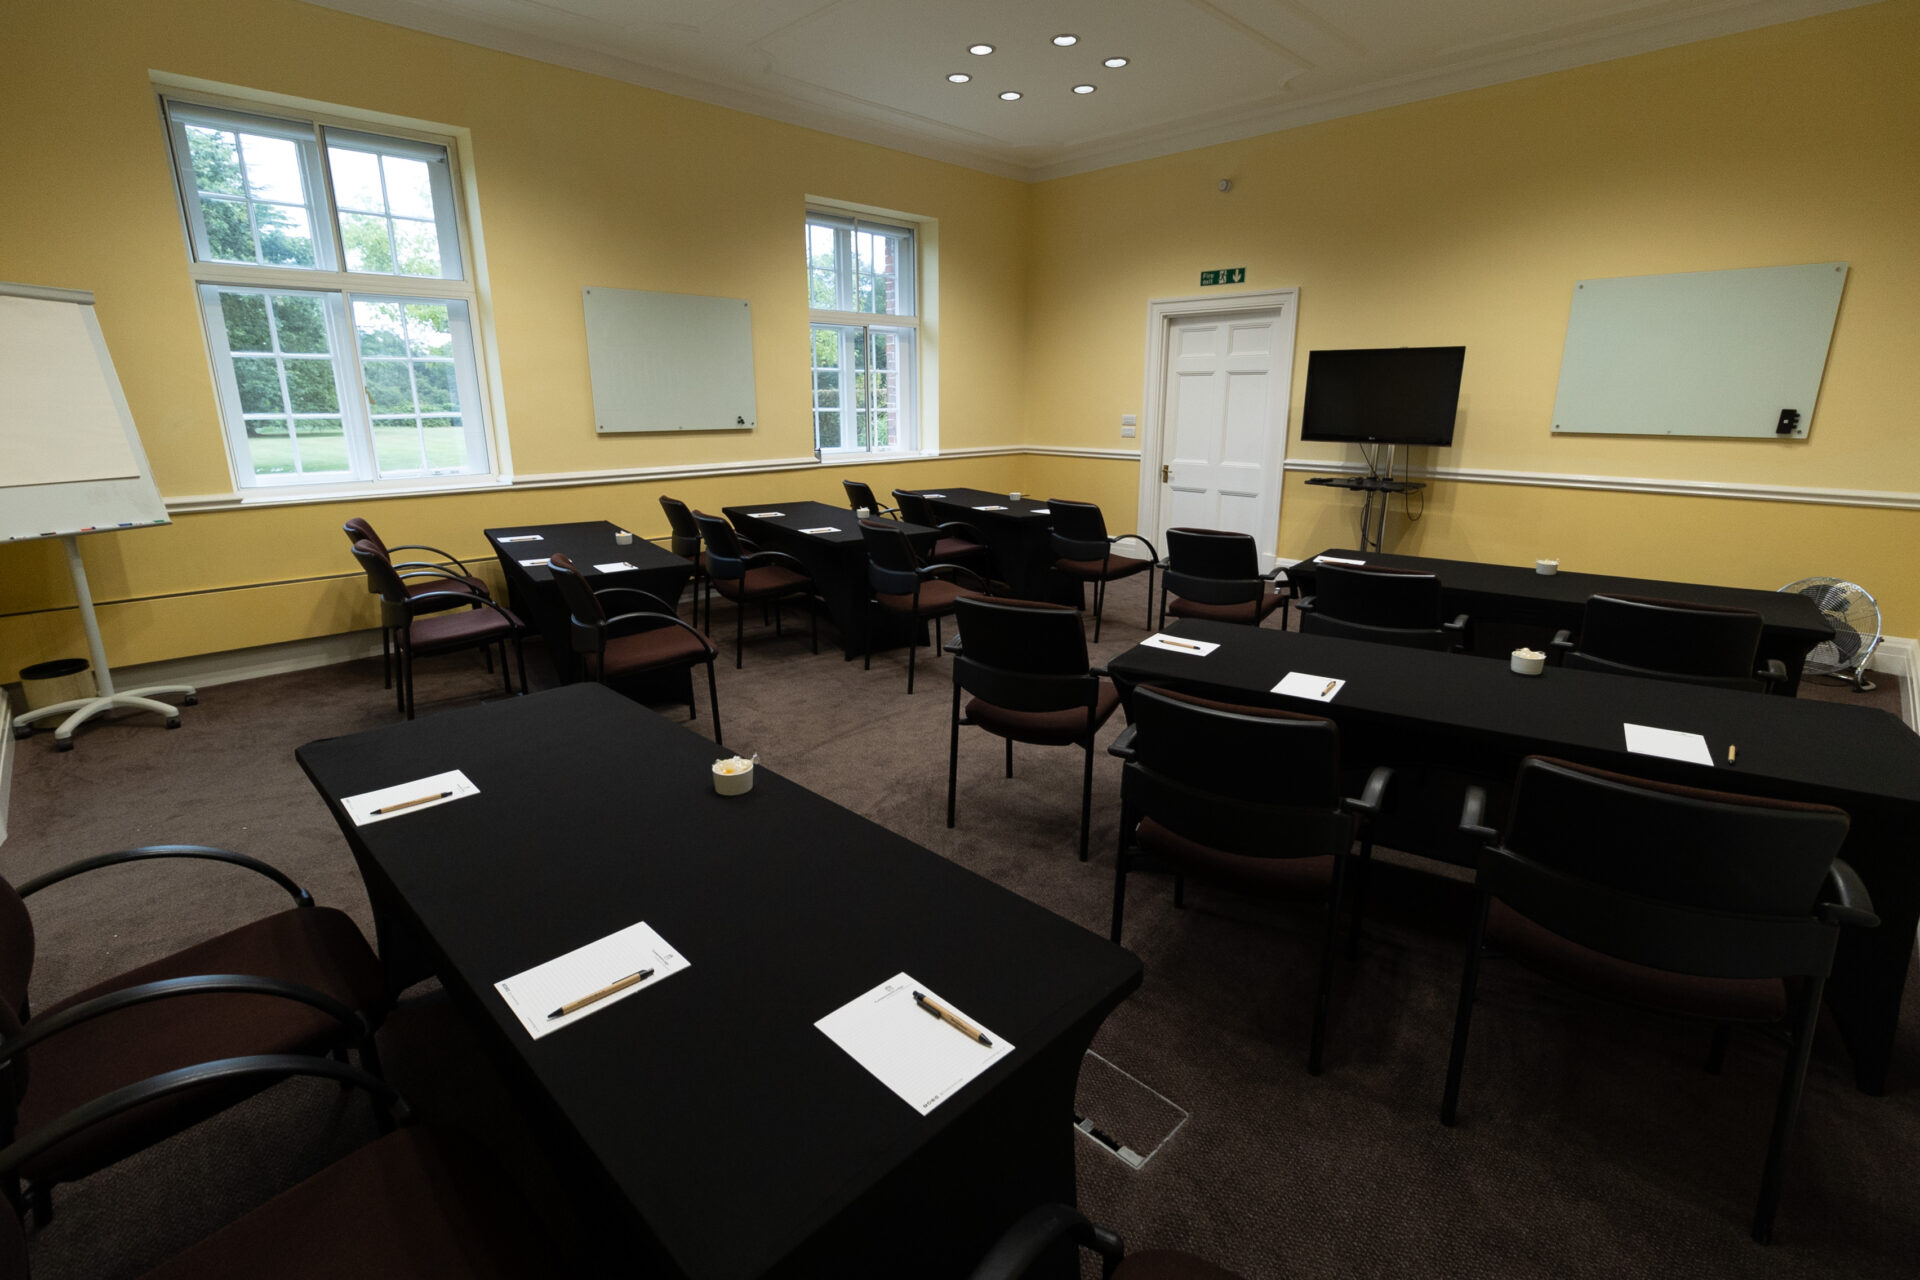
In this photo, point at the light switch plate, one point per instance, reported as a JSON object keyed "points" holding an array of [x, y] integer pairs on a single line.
{"points": [[1126, 433]]}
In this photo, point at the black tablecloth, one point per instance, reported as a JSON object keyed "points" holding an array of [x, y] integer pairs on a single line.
{"points": [[1019, 536], [1479, 718], [716, 1119], [836, 561], [1535, 605]]}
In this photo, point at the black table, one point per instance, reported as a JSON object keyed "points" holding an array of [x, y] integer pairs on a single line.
{"points": [[1019, 537], [1535, 605], [837, 563], [714, 1129], [1478, 718], [536, 597]]}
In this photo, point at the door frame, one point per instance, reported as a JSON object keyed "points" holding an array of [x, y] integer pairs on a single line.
{"points": [[1161, 314]]}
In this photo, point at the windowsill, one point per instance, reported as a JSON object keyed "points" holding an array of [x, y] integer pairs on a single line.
{"points": [[301, 495]]}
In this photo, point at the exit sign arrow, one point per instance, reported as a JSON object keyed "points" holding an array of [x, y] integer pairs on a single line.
{"points": [[1226, 275]]}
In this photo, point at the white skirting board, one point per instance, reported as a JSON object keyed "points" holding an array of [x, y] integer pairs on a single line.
{"points": [[6, 761]]}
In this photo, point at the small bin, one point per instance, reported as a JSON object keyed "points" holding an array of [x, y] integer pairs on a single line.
{"points": [[62, 680]]}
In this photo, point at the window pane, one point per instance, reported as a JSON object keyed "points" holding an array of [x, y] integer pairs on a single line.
{"points": [[310, 386], [389, 386], [419, 245], [285, 238], [229, 238], [433, 383], [365, 236], [427, 329], [269, 449], [409, 190], [396, 445], [245, 318], [356, 180], [259, 381], [216, 161], [323, 445], [393, 210], [300, 322], [413, 384], [445, 443], [273, 169]]}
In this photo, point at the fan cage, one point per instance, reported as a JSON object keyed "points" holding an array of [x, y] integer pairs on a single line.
{"points": [[1855, 616]]}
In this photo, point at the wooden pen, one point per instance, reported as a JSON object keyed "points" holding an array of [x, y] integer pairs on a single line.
{"points": [[1733, 753], [408, 804], [574, 1006], [946, 1016]]}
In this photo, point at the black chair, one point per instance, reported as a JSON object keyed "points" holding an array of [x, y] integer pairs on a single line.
{"points": [[684, 541], [1025, 664], [1215, 575], [413, 1204], [1041, 1232], [422, 577], [902, 585], [418, 634], [298, 980], [1672, 640], [1250, 797], [958, 543], [1387, 606], [1083, 551], [753, 577], [628, 644], [1691, 902], [860, 494]]}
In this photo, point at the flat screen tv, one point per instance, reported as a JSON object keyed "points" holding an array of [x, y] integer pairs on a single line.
{"points": [[1383, 395]]}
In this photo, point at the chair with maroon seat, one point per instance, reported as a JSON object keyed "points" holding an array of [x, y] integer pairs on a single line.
{"points": [[753, 577], [422, 577], [1041, 1233], [1686, 901], [1672, 640], [902, 585], [300, 980], [860, 494], [684, 542], [1249, 797], [419, 633], [1025, 663], [413, 1204], [1215, 575], [1082, 550], [627, 644], [958, 543], [1386, 606]]}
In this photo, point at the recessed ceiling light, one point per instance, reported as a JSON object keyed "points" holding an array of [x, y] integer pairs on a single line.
{"points": [[1114, 62], [980, 49], [959, 77], [1010, 96], [1083, 88], [1063, 40]]}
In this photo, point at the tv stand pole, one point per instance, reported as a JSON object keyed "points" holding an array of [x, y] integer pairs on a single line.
{"points": [[1378, 488]]}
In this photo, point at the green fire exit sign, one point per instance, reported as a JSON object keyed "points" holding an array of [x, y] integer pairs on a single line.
{"points": [[1226, 275]]}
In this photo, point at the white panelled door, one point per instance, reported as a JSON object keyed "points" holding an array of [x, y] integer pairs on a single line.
{"points": [[1227, 380]]}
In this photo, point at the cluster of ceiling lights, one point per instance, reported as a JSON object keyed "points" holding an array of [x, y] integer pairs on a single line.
{"points": [[1063, 40]]}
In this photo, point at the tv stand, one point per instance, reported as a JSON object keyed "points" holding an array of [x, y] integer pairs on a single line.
{"points": [[1372, 528]]}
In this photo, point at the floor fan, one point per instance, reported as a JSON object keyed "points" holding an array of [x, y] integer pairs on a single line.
{"points": [[1855, 616]]}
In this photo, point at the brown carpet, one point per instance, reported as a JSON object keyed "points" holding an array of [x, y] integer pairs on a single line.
{"points": [[1591, 1143]]}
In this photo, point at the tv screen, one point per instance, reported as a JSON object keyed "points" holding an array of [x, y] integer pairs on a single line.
{"points": [[1383, 395]]}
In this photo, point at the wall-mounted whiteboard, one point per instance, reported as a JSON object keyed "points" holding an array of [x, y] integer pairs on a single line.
{"points": [[70, 459], [1702, 353], [669, 361]]}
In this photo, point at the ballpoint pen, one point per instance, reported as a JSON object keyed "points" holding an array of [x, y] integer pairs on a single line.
{"points": [[946, 1016], [574, 1006], [408, 804], [1329, 689]]}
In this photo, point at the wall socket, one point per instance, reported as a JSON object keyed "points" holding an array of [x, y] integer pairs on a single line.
{"points": [[1127, 423]]}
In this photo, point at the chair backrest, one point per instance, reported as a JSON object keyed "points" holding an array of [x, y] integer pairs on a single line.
{"points": [[1213, 566], [381, 575], [589, 620], [1256, 781], [1677, 877], [685, 541], [1389, 606], [915, 508], [1023, 655], [1669, 639], [16, 950], [892, 566], [860, 494], [725, 559], [1079, 530], [358, 530]]}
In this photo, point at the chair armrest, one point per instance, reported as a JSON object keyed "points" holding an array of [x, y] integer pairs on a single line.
{"points": [[1122, 746], [1099, 669], [1850, 905], [1457, 628], [1473, 813], [1562, 640], [39, 1029], [1374, 794], [469, 596], [944, 568], [965, 530], [446, 556], [1026, 1240], [747, 544], [676, 620], [645, 595], [274, 1066], [1304, 604], [199, 852], [952, 644], [1153, 552], [1773, 671], [772, 557]]}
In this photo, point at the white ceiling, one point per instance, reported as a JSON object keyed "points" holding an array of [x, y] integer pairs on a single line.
{"points": [[1201, 71]]}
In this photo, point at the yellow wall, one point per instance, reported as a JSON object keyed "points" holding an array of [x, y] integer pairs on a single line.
{"points": [[1468, 219], [1463, 219]]}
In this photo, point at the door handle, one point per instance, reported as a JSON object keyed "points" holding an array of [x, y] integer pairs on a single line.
{"points": [[1166, 474]]}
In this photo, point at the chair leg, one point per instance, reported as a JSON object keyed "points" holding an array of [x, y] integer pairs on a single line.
{"points": [[867, 665], [506, 673], [1086, 799], [713, 700], [1163, 608], [1329, 947], [520, 660], [779, 619], [1009, 757], [739, 632], [913, 648], [40, 1202], [1149, 597], [486, 652], [1793, 1082], [1099, 600], [814, 614], [406, 681], [1362, 872], [1463, 1016], [1717, 1051], [399, 665], [953, 752], [386, 656], [1120, 875], [693, 710]]}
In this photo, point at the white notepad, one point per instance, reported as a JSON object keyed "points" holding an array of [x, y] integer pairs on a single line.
{"points": [[923, 1059], [1043, 511], [535, 564], [1645, 740], [933, 495], [441, 788], [1335, 560], [1180, 644], [989, 508], [1298, 684], [618, 566], [825, 528], [535, 994], [522, 537], [765, 515]]}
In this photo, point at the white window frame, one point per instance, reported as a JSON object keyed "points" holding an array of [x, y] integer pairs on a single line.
{"points": [[914, 436], [476, 377]]}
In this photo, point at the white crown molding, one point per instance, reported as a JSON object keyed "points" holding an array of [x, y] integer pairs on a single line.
{"points": [[1555, 49], [1890, 499]]}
